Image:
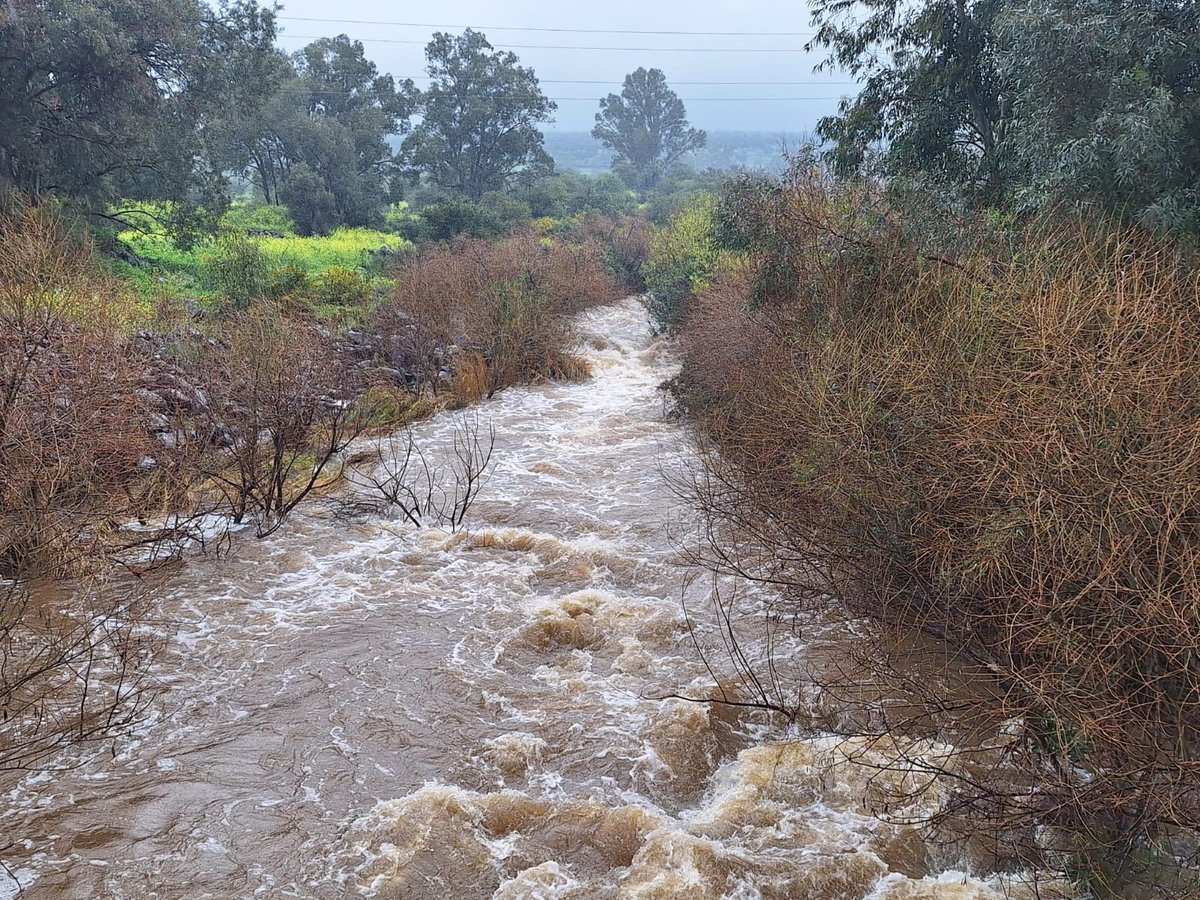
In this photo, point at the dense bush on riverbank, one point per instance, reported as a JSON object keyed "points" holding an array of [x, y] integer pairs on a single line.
{"points": [[113, 410], [114, 414], [497, 310], [992, 436]]}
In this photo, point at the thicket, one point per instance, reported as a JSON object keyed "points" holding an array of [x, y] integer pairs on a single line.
{"points": [[254, 252], [550, 202], [70, 442], [119, 445], [109, 418], [72, 664], [990, 436], [496, 311], [683, 255], [1030, 105]]}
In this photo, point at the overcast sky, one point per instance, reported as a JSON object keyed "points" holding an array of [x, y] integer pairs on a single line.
{"points": [[758, 58]]}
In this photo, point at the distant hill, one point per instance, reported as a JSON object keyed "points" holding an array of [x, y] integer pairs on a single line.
{"points": [[578, 151]]}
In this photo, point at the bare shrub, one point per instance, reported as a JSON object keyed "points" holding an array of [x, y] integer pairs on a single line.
{"points": [[426, 493], [994, 443], [73, 669], [422, 321], [472, 379], [70, 436], [279, 410], [72, 662]]}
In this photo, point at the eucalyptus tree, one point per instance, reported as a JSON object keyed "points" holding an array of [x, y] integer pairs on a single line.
{"points": [[338, 167], [646, 127], [1024, 103], [319, 145], [931, 95], [479, 118], [1106, 106]]}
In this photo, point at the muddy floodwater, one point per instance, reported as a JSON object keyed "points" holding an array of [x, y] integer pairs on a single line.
{"points": [[363, 708]]}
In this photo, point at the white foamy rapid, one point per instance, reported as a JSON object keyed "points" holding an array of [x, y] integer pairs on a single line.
{"points": [[370, 709]]}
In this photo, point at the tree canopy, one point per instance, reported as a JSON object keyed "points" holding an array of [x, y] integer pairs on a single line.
{"points": [[104, 100], [646, 127], [1106, 106], [480, 117], [1027, 103], [931, 95], [320, 145]]}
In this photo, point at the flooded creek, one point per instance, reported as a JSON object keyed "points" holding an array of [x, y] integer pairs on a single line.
{"points": [[363, 708]]}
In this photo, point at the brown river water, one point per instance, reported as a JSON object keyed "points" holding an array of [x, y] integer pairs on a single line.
{"points": [[370, 709]]}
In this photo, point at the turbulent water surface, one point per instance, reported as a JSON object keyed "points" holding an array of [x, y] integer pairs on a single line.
{"points": [[373, 709]]}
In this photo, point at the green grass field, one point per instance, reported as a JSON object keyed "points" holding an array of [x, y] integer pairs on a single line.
{"points": [[332, 277]]}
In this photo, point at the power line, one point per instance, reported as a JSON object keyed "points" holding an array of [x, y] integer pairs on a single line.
{"points": [[332, 93], [686, 83], [597, 99], [317, 37], [555, 30], [707, 83]]}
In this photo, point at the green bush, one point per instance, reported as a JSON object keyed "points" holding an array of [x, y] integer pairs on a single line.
{"points": [[677, 190], [508, 213], [683, 257], [237, 270], [451, 217], [342, 287], [288, 280], [258, 217], [398, 217], [567, 194], [496, 214]]}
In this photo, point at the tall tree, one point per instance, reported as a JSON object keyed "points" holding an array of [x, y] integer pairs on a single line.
{"points": [[480, 117], [252, 140], [646, 127], [103, 100], [1025, 103], [1106, 105], [320, 145], [931, 94]]}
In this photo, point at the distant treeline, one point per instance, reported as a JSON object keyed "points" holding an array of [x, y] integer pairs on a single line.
{"points": [[190, 105], [578, 151]]}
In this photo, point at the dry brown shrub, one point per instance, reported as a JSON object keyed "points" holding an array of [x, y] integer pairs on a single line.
{"points": [[625, 241], [422, 319], [72, 661], [280, 408], [1000, 448], [472, 381], [70, 435], [572, 276], [507, 303]]}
